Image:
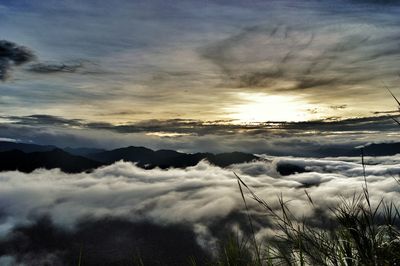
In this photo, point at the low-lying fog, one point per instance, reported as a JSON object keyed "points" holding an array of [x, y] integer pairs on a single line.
{"points": [[203, 199]]}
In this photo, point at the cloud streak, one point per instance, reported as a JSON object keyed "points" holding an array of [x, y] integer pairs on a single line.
{"points": [[43, 68], [198, 127]]}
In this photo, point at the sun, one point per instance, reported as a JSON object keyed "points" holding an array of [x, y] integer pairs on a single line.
{"points": [[261, 107]]}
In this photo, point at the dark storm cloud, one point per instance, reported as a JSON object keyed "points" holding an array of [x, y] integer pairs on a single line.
{"points": [[12, 54]]}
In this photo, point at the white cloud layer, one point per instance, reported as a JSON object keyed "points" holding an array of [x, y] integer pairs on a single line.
{"points": [[198, 195]]}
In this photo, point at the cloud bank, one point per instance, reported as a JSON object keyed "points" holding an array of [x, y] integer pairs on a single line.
{"points": [[202, 199]]}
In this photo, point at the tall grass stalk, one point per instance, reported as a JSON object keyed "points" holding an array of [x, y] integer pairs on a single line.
{"points": [[362, 234]]}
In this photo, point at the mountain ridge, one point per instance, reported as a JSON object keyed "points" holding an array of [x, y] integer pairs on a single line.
{"points": [[27, 157], [34, 156]]}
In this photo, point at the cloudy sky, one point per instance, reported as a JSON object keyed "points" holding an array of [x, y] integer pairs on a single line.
{"points": [[294, 81], [169, 73]]}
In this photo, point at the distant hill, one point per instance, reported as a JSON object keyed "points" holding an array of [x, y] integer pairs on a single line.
{"points": [[226, 159], [56, 158], [289, 169], [82, 151], [148, 158], [25, 147], [28, 147], [28, 157], [379, 149], [382, 149]]}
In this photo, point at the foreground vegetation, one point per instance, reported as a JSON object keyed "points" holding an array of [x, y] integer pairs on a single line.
{"points": [[357, 234], [353, 233]]}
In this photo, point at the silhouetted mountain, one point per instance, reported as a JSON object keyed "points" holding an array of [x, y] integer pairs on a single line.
{"points": [[132, 154], [148, 158], [226, 159], [82, 151], [25, 147], [27, 157], [333, 152], [379, 149], [289, 169], [382, 149], [57, 158]]}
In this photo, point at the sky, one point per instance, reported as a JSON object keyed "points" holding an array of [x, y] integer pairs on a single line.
{"points": [[187, 74]]}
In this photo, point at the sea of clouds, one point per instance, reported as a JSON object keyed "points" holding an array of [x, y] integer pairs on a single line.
{"points": [[203, 198]]}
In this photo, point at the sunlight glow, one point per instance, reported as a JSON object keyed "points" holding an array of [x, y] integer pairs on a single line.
{"points": [[261, 107], [167, 134]]}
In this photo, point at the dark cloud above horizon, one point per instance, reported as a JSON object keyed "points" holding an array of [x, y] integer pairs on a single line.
{"points": [[382, 123], [314, 139]]}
